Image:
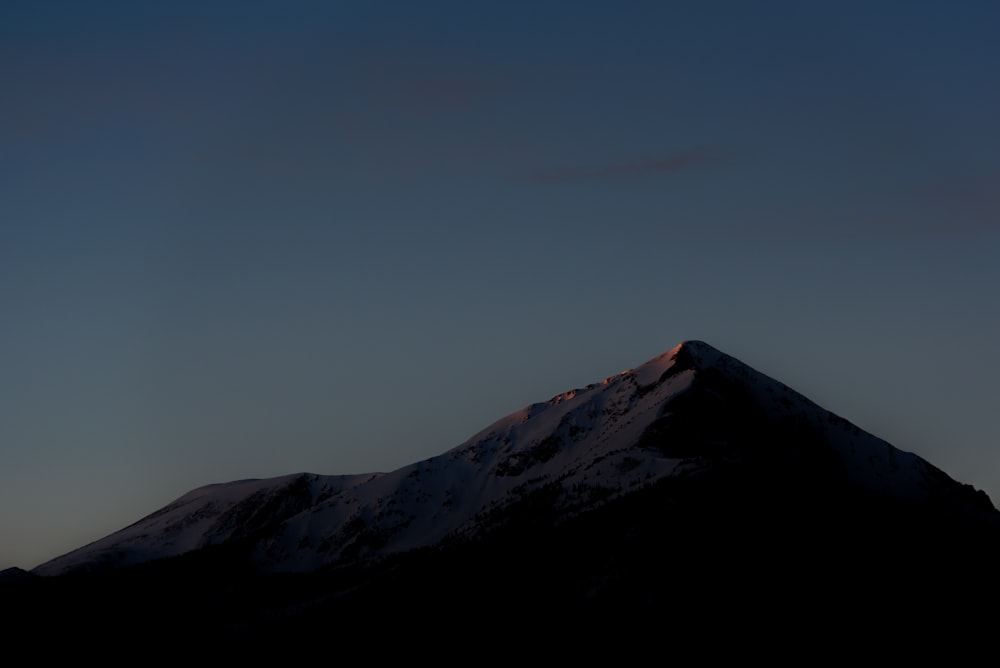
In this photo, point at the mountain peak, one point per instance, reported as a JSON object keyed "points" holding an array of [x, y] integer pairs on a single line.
{"points": [[692, 344], [696, 353], [687, 355]]}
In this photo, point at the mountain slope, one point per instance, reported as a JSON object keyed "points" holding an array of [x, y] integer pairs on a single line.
{"points": [[690, 419]]}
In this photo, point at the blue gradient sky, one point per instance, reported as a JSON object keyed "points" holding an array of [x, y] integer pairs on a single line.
{"points": [[245, 239]]}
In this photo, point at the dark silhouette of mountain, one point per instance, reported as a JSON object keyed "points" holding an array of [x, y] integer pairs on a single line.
{"points": [[15, 575], [692, 495]]}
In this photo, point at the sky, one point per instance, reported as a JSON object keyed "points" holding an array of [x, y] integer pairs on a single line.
{"points": [[246, 239]]}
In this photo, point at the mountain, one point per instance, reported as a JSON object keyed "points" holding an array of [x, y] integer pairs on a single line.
{"points": [[653, 494], [684, 414]]}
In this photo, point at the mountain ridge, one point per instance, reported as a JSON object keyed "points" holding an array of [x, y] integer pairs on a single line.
{"points": [[685, 412]]}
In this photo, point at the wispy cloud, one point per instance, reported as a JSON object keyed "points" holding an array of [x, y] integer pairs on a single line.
{"points": [[949, 209], [918, 210], [665, 164], [975, 206]]}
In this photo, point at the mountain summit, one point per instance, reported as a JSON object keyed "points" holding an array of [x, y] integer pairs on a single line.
{"points": [[692, 423]]}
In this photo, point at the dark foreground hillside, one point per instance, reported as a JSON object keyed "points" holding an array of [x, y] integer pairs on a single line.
{"points": [[737, 553]]}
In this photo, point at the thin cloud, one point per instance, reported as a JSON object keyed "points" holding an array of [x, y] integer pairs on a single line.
{"points": [[952, 209], [667, 164], [424, 85], [919, 210], [977, 205]]}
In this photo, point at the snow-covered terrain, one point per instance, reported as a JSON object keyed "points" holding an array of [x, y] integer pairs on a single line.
{"points": [[674, 416]]}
